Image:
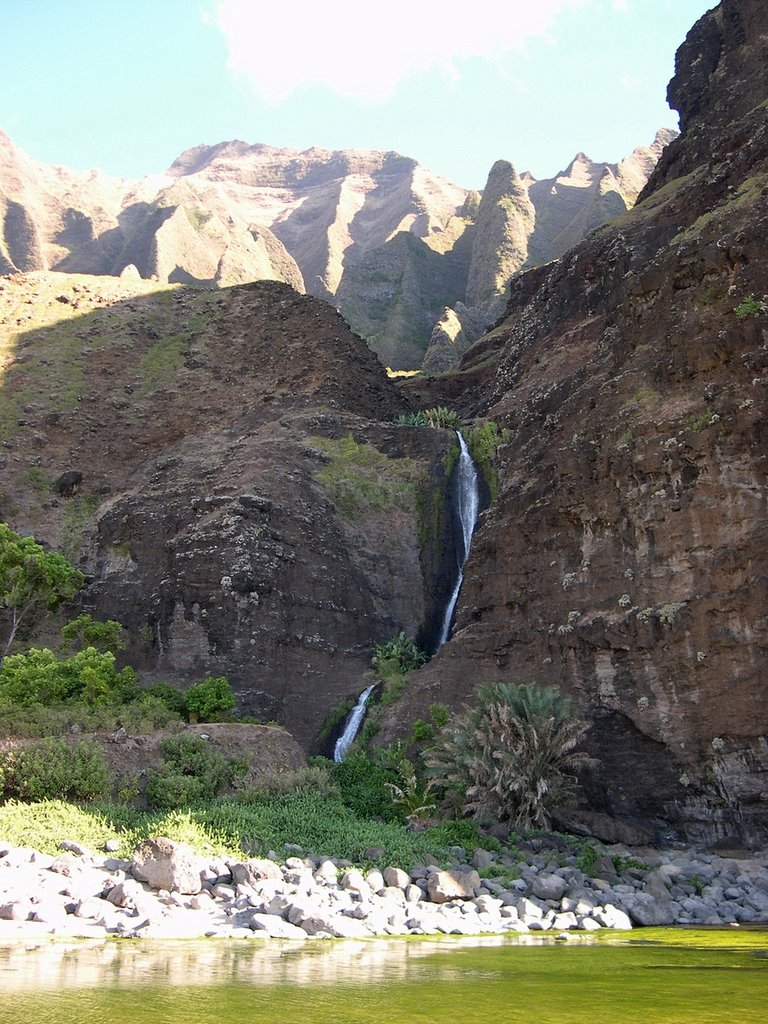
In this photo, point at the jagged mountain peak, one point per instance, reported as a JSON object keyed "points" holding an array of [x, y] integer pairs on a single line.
{"points": [[325, 221]]}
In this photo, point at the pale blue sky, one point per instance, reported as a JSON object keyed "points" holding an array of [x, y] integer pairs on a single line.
{"points": [[127, 86]]}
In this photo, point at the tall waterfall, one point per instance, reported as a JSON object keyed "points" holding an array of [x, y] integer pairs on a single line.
{"points": [[344, 742], [467, 506]]}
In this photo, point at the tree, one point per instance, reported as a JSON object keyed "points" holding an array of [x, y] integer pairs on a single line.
{"points": [[207, 700], [88, 677], [30, 579], [85, 631], [508, 755]]}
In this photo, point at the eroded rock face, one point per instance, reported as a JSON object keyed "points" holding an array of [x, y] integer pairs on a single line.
{"points": [[246, 505], [625, 559]]}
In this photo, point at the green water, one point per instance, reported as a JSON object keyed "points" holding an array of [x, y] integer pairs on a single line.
{"points": [[661, 978]]}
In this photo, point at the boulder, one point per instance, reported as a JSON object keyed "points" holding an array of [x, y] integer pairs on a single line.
{"points": [[650, 912], [275, 927], [252, 872], [396, 878], [610, 916], [452, 885], [549, 887], [483, 858], [164, 864]]}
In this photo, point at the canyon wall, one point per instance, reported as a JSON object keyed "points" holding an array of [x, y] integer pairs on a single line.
{"points": [[625, 558]]}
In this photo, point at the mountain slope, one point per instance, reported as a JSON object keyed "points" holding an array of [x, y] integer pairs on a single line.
{"points": [[389, 243], [237, 496]]}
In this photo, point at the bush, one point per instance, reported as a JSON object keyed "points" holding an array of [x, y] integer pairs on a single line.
{"points": [[749, 307], [88, 677], [191, 773], [85, 631], [411, 419], [505, 758], [163, 694], [51, 768], [36, 720], [443, 418], [209, 699], [396, 656], [363, 787], [483, 443]]}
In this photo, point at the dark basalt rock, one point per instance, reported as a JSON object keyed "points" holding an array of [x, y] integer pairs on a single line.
{"points": [[626, 558]]}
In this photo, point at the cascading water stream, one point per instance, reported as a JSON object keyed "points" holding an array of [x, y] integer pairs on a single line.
{"points": [[467, 507], [344, 742]]}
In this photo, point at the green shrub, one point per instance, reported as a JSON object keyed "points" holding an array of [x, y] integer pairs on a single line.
{"points": [[317, 778], [421, 731], [209, 699], [749, 307], [54, 769], [85, 631], [505, 758], [191, 772], [162, 694], [439, 713], [483, 443], [396, 656], [411, 419], [362, 783], [88, 677], [36, 720], [410, 795], [586, 859], [442, 418]]}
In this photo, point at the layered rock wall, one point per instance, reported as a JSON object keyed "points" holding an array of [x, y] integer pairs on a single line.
{"points": [[625, 559]]}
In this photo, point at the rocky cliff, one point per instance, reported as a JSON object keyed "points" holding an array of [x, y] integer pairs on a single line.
{"points": [[625, 558], [223, 466], [392, 245]]}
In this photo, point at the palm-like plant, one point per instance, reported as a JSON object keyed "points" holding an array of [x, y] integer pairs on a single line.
{"points": [[507, 757]]}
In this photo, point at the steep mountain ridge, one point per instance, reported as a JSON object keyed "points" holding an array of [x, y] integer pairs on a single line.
{"points": [[391, 244], [625, 558]]}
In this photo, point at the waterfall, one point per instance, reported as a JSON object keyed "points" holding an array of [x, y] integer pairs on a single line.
{"points": [[467, 506], [345, 741]]}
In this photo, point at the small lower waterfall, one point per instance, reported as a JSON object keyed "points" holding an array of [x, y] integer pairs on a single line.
{"points": [[468, 505], [344, 742]]}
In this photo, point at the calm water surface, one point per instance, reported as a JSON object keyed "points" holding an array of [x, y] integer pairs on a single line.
{"points": [[661, 978]]}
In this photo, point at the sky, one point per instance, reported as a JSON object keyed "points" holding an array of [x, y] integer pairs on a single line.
{"points": [[125, 86]]}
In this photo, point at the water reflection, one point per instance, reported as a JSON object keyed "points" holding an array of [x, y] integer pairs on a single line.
{"points": [[49, 964], [419, 981]]}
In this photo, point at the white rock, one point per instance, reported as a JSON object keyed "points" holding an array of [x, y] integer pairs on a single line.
{"points": [[275, 927], [396, 878], [164, 864]]}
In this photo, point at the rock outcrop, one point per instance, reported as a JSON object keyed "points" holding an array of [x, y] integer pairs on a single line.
{"points": [[625, 559]]}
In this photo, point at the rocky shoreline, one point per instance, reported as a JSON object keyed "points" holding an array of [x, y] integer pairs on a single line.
{"points": [[167, 890]]}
